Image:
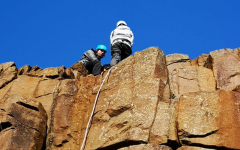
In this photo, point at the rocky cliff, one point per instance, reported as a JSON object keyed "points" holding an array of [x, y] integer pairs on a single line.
{"points": [[149, 101]]}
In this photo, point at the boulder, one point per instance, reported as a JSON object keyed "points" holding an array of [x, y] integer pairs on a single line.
{"points": [[52, 73], [194, 62], [23, 124], [79, 70], [202, 59], [34, 71], [210, 119], [24, 70], [191, 79], [41, 90], [225, 65], [8, 72]]}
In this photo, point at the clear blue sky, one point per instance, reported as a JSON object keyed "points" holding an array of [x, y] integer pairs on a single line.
{"points": [[53, 33]]}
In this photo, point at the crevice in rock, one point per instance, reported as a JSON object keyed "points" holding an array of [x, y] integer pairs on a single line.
{"points": [[209, 63], [43, 95], [204, 135], [122, 144], [64, 75], [63, 142], [181, 60], [53, 76], [231, 76], [185, 78], [206, 146], [3, 109], [184, 134], [7, 82], [113, 113], [55, 93], [27, 106], [44, 146], [36, 130], [71, 137], [155, 114], [6, 95], [36, 89], [10, 115], [172, 144], [119, 125], [5, 125]]}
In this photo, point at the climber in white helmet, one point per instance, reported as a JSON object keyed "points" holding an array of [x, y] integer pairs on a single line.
{"points": [[121, 42]]}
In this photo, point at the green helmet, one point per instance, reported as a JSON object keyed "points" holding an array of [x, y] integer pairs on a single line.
{"points": [[102, 47]]}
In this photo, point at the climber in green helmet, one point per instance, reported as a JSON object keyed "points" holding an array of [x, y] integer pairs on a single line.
{"points": [[91, 59]]}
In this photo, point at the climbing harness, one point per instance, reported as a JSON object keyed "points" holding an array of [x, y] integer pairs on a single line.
{"points": [[94, 106]]}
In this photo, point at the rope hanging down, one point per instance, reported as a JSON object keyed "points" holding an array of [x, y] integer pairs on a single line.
{"points": [[94, 106]]}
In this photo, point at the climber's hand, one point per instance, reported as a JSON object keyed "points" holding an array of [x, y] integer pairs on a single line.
{"points": [[102, 72]]}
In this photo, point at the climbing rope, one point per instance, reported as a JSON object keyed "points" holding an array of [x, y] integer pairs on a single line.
{"points": [[94, 106]]}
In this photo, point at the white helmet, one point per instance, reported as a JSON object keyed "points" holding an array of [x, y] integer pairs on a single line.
{"points": [[121, 23]]}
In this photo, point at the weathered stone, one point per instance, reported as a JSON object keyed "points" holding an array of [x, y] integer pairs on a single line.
{"points": [[79, 67], [24, 70], [69, 114], [174, 62], [225, 65], [8, 72], [44, 92], [69, 74], [52, 72], [146, 147], [135, 109], [160, 129], [176, 58], [23, 124], [206, 79], [126, 107], [177, 61], [34, 71], [210, 118], [202, 59], [191, 79], [194, 62], [41, 90], [23, 86]]}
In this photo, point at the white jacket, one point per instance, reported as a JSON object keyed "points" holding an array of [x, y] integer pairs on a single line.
{"points": [[122, 33]]}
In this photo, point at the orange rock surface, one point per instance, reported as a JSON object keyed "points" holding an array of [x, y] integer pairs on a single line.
{"points": [[149, 101]]}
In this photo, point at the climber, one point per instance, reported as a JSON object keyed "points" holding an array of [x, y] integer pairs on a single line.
{"points": [[121, 42], [91, 59]]}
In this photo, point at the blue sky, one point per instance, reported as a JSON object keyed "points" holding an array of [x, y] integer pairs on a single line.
{"points": [[53, 33]]}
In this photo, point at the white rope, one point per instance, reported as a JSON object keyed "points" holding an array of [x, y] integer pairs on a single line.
{"points": [[94, 106]]}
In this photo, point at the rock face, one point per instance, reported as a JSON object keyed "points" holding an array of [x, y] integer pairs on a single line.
{"points": [[149, 101], [217, 116], [8, 72], [131, 103], [225, 65], [23, 123]]}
